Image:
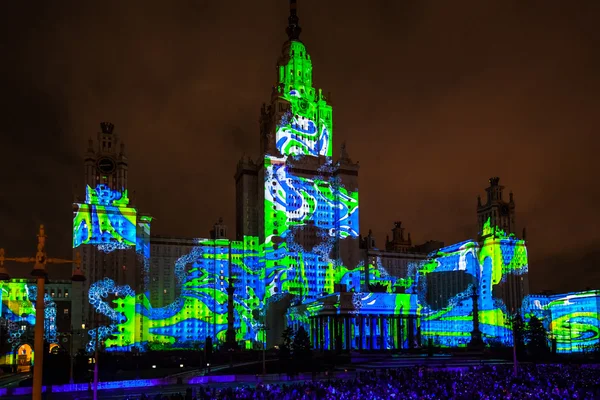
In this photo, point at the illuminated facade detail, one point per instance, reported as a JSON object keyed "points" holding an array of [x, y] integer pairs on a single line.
{"points": [[104, 220], [436, 303], [572, 319], [301, 203], [200, 311], [17, 305], [109, 232]]}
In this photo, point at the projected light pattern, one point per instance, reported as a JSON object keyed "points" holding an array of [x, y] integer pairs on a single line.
{"points": [[298, 201], [200, 311], [305, 214], [462, 269], [575, 321], [142, 250], [104, 220], [305, 129], [18, 309], [308, 214]]}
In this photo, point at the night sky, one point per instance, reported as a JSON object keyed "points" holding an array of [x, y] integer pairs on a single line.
{"points": [[432, 97]]}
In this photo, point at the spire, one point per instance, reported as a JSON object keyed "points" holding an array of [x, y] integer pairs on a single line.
{"points": [[293, 30]]}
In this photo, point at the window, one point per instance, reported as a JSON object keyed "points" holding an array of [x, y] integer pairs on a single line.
{"points": [[66, 311]]}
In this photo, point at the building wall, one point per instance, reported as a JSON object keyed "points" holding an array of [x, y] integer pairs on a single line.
{"points": [[165, 252], [574, 321]]}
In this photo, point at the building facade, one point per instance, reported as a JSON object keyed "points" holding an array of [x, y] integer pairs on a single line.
{"points": [[297, 258], [17, 319], [297, 245], [109, 233]]}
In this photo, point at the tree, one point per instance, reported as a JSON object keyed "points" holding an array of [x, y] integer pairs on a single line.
{"points": [[208, 349], [378, 287], [518, 327], [156, 345], [285, 349], [301, 348], [537, 338]]}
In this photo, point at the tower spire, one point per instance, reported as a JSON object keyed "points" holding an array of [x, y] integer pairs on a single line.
{"points": [[293, 30]]}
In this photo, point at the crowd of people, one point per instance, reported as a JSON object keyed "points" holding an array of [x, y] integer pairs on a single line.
{"points": [[485, 382]]}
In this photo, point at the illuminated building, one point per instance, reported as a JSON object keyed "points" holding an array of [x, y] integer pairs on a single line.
{"points": [[297, 258], [571, 319], [301, 203], [397, 260], [108, 230], [165, 252], [17, 315]]}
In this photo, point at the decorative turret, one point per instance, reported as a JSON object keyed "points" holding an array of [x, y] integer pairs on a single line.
{"points": [[398, 242], [499, 213], [298, 122]]}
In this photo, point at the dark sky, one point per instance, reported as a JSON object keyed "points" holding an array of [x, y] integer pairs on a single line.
{"points": [[432, 97]]}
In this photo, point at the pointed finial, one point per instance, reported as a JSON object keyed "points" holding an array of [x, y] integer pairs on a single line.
{"points": [[293, 30]]}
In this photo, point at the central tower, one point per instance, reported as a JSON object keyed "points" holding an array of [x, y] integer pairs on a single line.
{"points": [[298, 121], [295, 198]]}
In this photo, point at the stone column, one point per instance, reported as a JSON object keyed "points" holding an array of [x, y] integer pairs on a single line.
{"points": [[400, 332], [331, 332], [380, 326], [361, 332], [347, 325], [384, 336], [311, 324], [372, 329], [321, 334]]}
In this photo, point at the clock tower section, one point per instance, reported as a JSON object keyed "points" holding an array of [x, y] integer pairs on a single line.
{"points": [[105, 161], [500, 213]]}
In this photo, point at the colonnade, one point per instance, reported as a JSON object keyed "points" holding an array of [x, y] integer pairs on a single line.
{"points": [[363, 332]]}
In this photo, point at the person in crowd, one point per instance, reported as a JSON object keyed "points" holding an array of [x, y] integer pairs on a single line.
{"points": [[478, 383]]}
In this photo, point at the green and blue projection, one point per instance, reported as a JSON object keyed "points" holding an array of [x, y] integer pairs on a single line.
{"points": [[17, 308], [105, 220], [444, 313], [306, 216]]}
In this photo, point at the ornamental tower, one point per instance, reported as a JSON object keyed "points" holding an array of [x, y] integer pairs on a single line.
{"points": [[301, 203], [501, 214], [112, 237], [105, 160]]}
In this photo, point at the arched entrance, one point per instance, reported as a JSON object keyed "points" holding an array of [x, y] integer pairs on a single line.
{"points": [[24, 358]]}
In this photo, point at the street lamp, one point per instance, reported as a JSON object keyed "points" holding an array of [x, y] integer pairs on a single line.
{"points": [[40, 272]]}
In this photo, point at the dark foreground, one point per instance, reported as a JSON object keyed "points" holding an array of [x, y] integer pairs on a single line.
{"points": [[486, 382]]}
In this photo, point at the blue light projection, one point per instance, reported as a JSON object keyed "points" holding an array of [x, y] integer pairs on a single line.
{"points": [[104, 220], [18, 309]]}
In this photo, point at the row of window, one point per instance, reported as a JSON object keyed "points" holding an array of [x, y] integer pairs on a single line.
{"points": [[58, 293]]}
